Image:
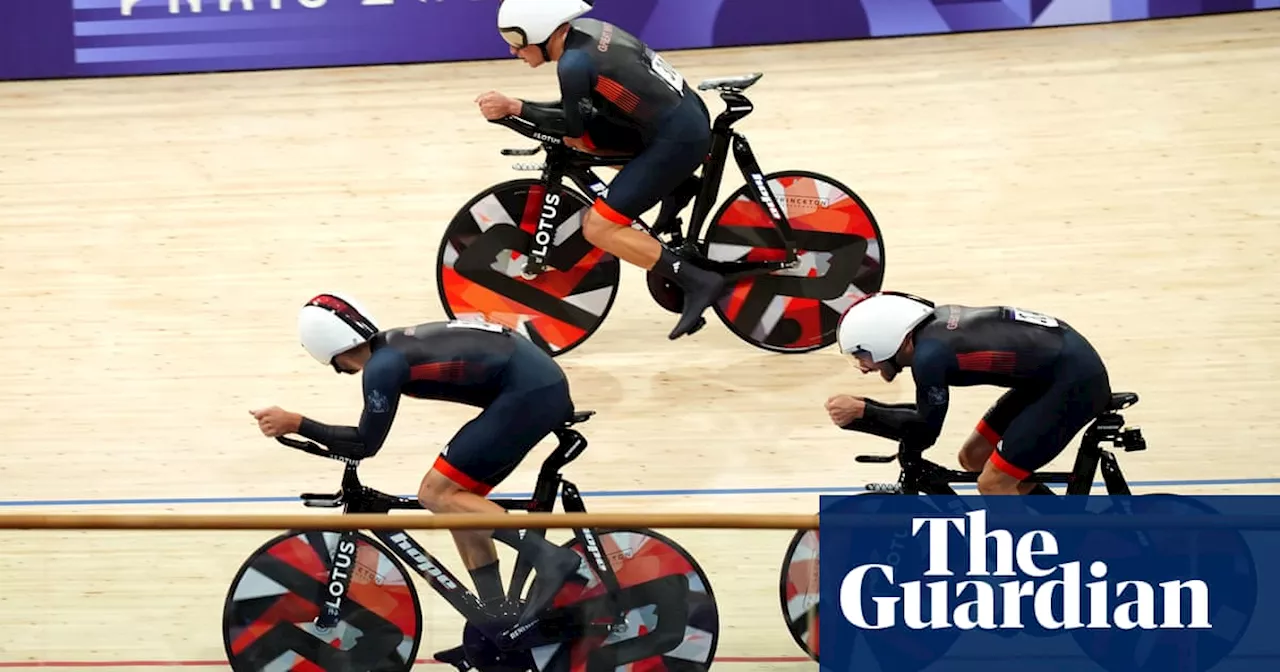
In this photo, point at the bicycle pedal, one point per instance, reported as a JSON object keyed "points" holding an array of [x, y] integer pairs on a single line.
{"points": [[697, 326], [456, 657]]}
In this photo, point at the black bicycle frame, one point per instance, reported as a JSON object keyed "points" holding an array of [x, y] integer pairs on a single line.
{"points": [[921, 476], [563, 162], [355, 497]]}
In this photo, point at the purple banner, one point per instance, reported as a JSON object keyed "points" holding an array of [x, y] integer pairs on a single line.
{"points": [[87, 38]]}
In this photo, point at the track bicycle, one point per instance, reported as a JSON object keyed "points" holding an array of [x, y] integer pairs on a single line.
{"points": [[798, 590], [796, 246], [308, 600]]}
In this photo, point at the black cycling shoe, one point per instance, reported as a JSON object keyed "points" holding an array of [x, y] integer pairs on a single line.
{"points": [[698, 296], [552, 573]]}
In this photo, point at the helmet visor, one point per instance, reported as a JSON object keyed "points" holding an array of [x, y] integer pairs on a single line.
{"points": [[514, 37], [863, 359]]}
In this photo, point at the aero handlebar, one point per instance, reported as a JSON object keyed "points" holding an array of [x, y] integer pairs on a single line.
{"points": [[315, 449], [529, 130]]}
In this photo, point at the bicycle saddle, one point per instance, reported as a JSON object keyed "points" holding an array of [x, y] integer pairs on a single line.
{"points": [[1121, 400], [579, 416], [739, 83]]}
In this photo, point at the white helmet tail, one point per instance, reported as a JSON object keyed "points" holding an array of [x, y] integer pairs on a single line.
{"points": [[526, 22], [878, 323], [330, 324]]}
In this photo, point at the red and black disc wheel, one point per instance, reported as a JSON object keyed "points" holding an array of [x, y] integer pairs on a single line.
{"points": [[798, 590], [841, 257], [269, 617], [671, 620], [483, 255]]}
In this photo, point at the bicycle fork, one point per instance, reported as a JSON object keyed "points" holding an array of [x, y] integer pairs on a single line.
{"points": [[341, 567]]}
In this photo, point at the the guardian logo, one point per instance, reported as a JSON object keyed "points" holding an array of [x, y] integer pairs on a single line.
{"points": [[1026, 582]]}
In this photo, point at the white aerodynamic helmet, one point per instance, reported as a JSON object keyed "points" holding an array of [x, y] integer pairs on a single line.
{"points": [[526, 22], [878, 323], [330, 324]]}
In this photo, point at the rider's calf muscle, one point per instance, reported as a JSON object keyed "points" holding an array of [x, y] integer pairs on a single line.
{"points": [[623, 242], [438, 494]]}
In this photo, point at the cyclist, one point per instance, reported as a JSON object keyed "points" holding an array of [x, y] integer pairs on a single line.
{"points": [[523, 393], [617, 95], [1057, 382]]}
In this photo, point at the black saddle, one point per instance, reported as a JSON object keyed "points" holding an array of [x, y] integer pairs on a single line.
{"points": [[1121, 400], [579, 416], [731, 83]]}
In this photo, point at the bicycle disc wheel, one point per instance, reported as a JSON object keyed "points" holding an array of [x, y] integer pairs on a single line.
{"points": [[647, 565], [798, 590], [841, 256], [481, 257], [268, 619]]}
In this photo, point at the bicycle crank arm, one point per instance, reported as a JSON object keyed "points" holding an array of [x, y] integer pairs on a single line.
{"points": [[737, 270], [521, 152], [558, 628]]}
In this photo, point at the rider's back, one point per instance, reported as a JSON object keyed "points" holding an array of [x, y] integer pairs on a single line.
{"points": [[449, 361], [991, 345], [638, 87]]}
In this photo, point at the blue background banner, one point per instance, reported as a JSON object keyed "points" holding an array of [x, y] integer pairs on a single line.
{"points": [[85, 38], [1152, 583]]}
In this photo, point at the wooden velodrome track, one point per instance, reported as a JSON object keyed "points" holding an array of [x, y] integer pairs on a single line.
{"points": [[159, 233]]}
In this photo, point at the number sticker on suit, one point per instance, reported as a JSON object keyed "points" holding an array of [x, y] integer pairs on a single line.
{"points": [[475, 324], [666, 73], [1033, 318]]}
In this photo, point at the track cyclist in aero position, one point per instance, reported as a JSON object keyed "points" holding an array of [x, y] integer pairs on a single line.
{"points": [[523, 393], [617, 95], [1057, 382]]}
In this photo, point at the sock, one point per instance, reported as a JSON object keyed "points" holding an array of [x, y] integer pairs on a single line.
{"points": [[488, 582], [533, 546], [677, 270]]}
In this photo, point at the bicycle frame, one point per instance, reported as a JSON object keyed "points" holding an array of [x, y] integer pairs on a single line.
{"points": [[355, 497], [563, 162], [921, 476]]}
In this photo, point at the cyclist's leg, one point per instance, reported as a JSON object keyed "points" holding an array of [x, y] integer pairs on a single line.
{"points": [[485, 451], [479, 457], [1041, 432], [980, 445], [664, 165], [628, 140]]}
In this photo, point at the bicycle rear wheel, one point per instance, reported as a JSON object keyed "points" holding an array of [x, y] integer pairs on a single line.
{"points": [[841, 255], [656, 576], [482, 255], [268, 618], [798, 590]]}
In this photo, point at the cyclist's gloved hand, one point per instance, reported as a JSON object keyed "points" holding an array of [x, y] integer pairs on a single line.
{"points": [[888, 421], [341, 441]]}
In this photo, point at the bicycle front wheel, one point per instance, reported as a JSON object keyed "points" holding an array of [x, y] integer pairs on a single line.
{"points": [[798, 590], [483, 255], [269, 617]]}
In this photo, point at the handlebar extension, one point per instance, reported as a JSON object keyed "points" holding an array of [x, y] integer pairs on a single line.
{"points": [[528, 129], [315, 449]]}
